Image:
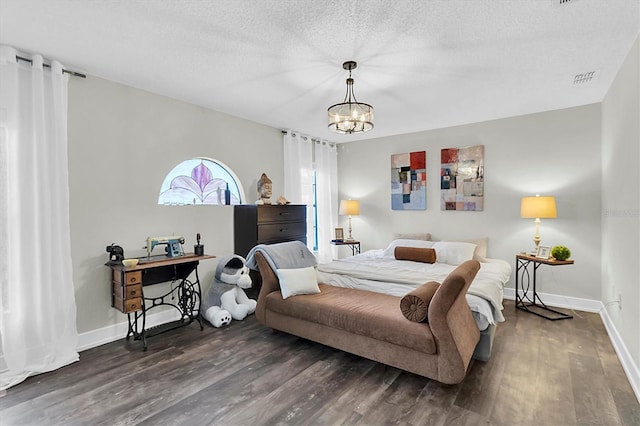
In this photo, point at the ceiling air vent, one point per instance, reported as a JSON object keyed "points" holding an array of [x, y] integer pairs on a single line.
{"points": [[585, 78], [562, 2]]}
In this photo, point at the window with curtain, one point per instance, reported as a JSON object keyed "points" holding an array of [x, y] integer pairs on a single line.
{"points": [[311, 178], [37, 296]]}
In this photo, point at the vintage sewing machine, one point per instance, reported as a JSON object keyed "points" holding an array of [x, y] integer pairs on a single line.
{"points": [[173, 245]]}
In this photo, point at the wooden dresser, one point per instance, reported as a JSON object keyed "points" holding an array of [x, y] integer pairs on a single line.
{"points": [[267, 224]]}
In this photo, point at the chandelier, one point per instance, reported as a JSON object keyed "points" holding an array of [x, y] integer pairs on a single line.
{"points": [[350, 116]]}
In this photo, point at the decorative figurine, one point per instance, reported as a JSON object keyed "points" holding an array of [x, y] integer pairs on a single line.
{"points": [[282, 201], [264, 190], [116, 253], [198, 249]]}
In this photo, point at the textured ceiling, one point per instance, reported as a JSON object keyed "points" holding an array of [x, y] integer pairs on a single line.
{"points": [[422, 64]]}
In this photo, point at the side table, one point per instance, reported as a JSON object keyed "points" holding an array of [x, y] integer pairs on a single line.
{"points": [[353, 245], [524, 279]]}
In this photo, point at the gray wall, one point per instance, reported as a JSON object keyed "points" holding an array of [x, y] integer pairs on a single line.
{"points": [[551, 153], [122, 143], [621, 201]]}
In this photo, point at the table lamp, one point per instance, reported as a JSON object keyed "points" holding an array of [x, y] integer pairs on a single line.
{"points": [[538, 208], [351, 208]]}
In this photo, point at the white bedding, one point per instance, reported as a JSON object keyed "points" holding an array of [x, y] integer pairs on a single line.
{"points": [[376, 271]]}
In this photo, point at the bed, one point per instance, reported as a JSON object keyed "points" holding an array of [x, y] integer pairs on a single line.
{"points": [[380, 271]]}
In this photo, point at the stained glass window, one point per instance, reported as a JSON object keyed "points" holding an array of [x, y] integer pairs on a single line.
{"points": [[201, 181]]}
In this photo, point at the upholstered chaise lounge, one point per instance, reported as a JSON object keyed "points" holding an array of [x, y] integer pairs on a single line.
{"points": [[372, 325]]}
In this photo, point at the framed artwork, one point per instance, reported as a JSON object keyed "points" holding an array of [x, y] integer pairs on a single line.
{"points": [[409, 181], [339, 234], [462, 178], [543, 252]]}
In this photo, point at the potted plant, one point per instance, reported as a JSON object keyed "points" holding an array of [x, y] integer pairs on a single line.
{"points": [[560, 253]]}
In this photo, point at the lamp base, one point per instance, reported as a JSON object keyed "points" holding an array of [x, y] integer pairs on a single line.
{"points": [[536, 237]]}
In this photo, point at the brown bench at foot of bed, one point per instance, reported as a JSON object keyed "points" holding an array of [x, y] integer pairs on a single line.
{"points": [[371, 324]]}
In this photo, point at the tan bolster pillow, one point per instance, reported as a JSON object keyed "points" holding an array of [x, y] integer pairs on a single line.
{"points": [[415, 305], [415, 254]]}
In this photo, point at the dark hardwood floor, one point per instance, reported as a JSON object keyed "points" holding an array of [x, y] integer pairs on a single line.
{"points": [[541, 373]]}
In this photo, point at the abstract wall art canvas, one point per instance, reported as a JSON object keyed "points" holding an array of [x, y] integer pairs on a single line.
{"points": [[462, 178], [409, 181]]}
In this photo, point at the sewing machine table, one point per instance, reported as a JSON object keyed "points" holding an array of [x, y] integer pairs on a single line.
{"points": [[128, 292]]}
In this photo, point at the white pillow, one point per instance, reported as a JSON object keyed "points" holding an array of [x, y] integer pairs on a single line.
{"points": [[425, 236], [481, 247], [298, 281], [453, 253], [389, 251]]}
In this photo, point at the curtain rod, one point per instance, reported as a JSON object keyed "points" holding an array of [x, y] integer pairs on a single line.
{"points": [[284, 132], [73, 73]]}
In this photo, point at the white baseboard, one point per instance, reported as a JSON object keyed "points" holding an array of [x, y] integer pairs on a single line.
{"points": [[559, 301], [108, 334], [588, 305], [629, 366]]}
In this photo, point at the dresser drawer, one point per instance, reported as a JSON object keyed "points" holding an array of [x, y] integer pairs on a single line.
{"points": [[127, 305], [127, 291], [130, 278], [281, 231], [281, 214]]}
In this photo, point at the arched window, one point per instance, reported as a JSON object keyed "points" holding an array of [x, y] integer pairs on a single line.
{"points": [[202, 181]]}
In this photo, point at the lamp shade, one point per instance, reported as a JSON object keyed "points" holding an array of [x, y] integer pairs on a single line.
{"points": [[349, 207], [538, 207]]}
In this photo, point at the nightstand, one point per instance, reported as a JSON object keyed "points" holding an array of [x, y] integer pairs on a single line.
{"points": [[525, 277], [353, 245]]}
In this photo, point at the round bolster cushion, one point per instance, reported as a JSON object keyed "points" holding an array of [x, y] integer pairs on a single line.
{"points": [[415, 254], [415, 305]]}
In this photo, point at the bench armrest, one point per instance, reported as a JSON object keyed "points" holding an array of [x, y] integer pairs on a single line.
{"points": [[452, 324]]}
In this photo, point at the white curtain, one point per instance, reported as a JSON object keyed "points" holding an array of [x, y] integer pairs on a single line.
{"points": [[37, 301], [298, 175], [326, 167], [300, 168]]}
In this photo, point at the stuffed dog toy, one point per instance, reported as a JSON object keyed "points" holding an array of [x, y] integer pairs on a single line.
{"points": [[226, 298]]}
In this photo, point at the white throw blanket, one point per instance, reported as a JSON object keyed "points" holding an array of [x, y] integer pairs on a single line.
{"points": [[372, 271], [287, 255]]}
